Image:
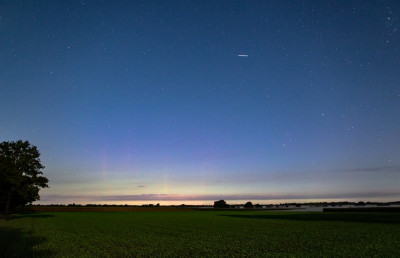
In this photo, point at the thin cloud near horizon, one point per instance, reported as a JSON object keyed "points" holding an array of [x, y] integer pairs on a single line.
{"points": [[213, 197], [373, 169]]}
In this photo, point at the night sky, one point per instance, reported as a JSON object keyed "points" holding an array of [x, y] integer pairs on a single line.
{"points": [[196, 101]]}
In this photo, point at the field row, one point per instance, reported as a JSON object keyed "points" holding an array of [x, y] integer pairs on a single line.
{"points": [[200, 233]]}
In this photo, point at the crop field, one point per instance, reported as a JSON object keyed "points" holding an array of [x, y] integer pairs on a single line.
{"points": [[200, 233]]}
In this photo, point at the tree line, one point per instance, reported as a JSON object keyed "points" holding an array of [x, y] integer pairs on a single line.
{"points": [[223, 204]]}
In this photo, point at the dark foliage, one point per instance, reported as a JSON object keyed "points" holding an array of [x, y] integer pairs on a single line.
{"points": [[20, 174], [248, 205], [220, 204]]}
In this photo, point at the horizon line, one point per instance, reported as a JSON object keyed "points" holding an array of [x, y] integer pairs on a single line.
{"points": [[214, 197]]}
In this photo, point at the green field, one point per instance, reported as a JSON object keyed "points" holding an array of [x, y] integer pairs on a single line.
{"points": [[200, 233]]}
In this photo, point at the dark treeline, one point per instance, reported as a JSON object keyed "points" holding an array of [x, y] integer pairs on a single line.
{"points": [[223, 204], [114, 205]]}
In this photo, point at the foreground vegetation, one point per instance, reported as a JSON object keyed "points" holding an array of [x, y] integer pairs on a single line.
{"points": [[201, 233]]}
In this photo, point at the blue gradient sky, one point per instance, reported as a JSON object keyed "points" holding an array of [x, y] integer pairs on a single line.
{"points": [[142, 101]]}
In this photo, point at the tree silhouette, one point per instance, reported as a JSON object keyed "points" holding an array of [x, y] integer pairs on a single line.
{"points": [[248, 205], [20, 174], [220, 204]]}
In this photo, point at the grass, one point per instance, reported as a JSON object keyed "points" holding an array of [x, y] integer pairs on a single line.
{"points": [[200, 233]]}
